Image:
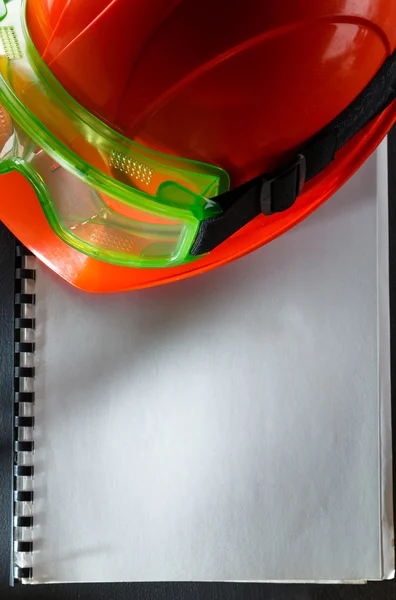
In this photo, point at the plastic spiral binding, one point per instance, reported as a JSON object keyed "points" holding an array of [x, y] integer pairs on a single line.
{"points": [[24, 413]]}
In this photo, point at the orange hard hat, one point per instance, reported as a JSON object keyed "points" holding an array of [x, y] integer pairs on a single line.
{"points": [[287, 98]]}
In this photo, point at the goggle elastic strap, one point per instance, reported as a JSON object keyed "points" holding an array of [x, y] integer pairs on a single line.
{"points": [[272, 193]]}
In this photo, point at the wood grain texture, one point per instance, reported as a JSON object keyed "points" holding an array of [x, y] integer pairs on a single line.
{"points": [[165, 591]]}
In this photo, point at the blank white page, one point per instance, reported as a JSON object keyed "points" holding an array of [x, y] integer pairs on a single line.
{"points": [[234, 426]]}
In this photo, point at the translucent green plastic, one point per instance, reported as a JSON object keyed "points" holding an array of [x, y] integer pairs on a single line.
{"points": [[3, 9], [103, 194]]}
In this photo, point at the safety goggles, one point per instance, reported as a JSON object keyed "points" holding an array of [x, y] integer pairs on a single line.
{"points": [[102, 194], [116, 201]]}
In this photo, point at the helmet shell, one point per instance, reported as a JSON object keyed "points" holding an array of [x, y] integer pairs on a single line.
{"points": [[242, 85]]}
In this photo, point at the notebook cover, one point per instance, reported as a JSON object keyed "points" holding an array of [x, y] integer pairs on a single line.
{"points": [[28, 275]]}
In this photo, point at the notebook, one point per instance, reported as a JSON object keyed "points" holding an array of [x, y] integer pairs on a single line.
{"points": [[234, 426]]}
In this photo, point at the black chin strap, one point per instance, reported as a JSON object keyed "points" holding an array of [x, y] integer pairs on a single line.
{"points": [[276, 192]]}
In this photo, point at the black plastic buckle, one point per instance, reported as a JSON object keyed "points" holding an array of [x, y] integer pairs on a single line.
{"points": [[292, 175]]}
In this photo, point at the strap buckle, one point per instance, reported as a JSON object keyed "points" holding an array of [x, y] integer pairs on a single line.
{"points": [[280, 191]]}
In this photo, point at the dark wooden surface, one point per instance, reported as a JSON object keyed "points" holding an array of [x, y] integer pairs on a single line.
{"points": [[165, 591]]}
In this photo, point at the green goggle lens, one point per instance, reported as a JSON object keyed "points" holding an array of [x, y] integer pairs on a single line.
{"points": [[103, 194]]}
